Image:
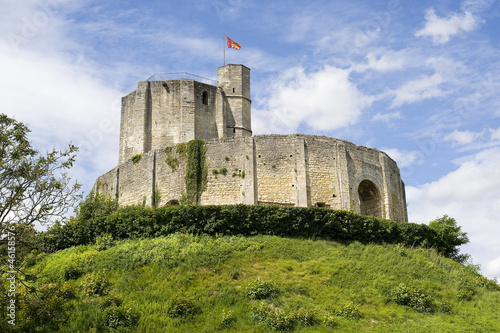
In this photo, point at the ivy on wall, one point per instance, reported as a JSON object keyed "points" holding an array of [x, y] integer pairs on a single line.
{"points": [[171, 161], [196, 170]]}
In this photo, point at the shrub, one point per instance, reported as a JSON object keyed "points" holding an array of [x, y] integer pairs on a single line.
{"points": [[181, 306], [412, 297], [276, 319], [466, 289], [258, 289], [227, 318], [349, 311], [313, 222], [45, 308], [330, 321], [72, 271], [96, 283], [307, 317], [120, 316], [451, 236], [281, 321], [104, 241]]}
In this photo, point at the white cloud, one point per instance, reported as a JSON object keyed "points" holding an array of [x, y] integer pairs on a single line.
{"points": [[493, 267], [62, 103], [404, 158], [323, 100], [441, 29], [419, 89], [476, 6], [462, 138], [387, 117], [385, 63], [470, 195], [495, 134], [57, 94]]}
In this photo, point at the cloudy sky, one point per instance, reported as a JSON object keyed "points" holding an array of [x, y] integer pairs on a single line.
{"points": [[419, 80]]}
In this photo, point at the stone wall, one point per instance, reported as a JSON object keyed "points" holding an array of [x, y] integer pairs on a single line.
{"points": [[290, 170]]}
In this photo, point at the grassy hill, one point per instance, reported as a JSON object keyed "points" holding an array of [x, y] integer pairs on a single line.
{"points": [[188, 283]]}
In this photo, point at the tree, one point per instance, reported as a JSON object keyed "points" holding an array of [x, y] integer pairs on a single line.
{"points": [[34, 187], [452, 237]]}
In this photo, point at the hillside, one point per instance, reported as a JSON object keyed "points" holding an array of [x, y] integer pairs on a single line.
{"points": [[187, 283]]}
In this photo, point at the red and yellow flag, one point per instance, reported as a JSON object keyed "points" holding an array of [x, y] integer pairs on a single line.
{"points": [[232, 44]]}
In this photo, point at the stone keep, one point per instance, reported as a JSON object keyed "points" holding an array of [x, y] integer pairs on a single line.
{"points": [[287, 170], [163, 113]]}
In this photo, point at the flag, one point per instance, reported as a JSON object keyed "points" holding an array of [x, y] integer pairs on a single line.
{"points": [[232, 44]]}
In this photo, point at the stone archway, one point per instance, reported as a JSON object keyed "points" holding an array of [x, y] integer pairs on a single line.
{"points": [[370, 201]]}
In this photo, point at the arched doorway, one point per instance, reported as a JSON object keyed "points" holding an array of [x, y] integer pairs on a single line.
{"points": [[370, 202]]}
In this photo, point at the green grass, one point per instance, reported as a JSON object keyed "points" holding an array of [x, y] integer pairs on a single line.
{"points": [[318, 283]]}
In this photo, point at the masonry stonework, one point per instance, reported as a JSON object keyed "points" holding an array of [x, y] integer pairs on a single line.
{"points": [[287, 170]]}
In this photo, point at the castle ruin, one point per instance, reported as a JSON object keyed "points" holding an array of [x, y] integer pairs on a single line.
{"points": [[163, 114]]}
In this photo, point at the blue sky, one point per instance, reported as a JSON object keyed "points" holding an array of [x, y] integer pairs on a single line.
{"points": [[419, 80]]}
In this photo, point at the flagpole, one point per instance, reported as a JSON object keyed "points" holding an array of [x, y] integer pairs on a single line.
{"points": [[224, 46]]}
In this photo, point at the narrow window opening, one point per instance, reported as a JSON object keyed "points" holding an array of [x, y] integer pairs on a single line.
{"points": [[233, 90], [205, 98]]}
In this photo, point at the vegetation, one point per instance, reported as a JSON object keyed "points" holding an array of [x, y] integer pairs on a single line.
{"points": [[172, 162], [221, 268], [34, 187], [190, 283], [196, 171], [313, 222], [222, 171], [136, 158]]}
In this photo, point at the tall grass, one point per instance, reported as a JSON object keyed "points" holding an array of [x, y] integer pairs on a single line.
{"points": [[316, 286]]}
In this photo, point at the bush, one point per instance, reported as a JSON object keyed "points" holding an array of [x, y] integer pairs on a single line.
{"points": [[276, 319], [307, 317], [72, 271], [349, 311], [104, 241], [412, 297], [281, 321], [258, 289], [120, 316], [227, 318], [45, 308], [181, 306], [451, 236], [330, 321], [313, 222], [96, 283]]}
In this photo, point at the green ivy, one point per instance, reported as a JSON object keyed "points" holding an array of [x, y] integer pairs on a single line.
{"points": [[171, 161], [196, 170], [181, 149]]}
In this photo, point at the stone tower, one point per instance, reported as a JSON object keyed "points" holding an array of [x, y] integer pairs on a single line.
{"points": [[234, 83], [161, 112]]}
